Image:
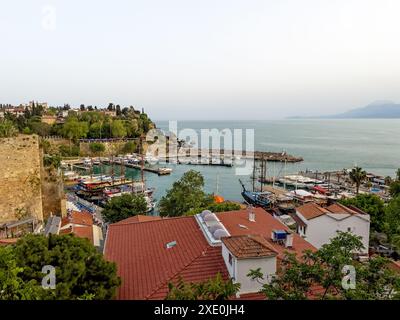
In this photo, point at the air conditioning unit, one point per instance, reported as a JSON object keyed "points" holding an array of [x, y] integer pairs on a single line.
{"points": [[278, 235]]}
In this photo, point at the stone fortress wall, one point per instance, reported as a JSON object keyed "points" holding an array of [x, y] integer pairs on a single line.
{"points": [[20, 178]]}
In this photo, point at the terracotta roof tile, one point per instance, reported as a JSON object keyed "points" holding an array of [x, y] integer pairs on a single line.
{"points": [[249, 246], [265, 223], [146, 266], [311, 210], [84, 218], [138, 218]]}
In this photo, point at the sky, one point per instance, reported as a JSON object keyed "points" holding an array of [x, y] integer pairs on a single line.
{"points": [[203, 59]]}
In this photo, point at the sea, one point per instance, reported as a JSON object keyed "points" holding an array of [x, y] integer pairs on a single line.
{"points": [[325, 145]]}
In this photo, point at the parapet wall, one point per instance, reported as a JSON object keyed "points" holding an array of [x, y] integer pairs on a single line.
{"points": [[20, 178]]}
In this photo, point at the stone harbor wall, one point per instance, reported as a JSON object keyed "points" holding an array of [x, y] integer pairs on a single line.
{"points": [[20, 178]]}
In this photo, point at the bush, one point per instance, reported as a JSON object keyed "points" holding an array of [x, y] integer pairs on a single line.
{"points": [[97, 148], [69, 151]]}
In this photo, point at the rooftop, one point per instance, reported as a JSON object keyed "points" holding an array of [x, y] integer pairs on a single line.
{"points": [[145, 263], [312, 210], [237, 223], [249, 246]]}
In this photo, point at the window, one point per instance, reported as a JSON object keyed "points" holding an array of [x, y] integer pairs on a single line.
{"points": [[230, 258]]}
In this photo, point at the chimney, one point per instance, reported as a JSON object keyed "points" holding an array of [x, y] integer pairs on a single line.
{"points": [[289, 240], [252, 215]]}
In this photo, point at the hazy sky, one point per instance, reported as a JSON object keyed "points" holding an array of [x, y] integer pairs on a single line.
{"points": [[204, 59]]}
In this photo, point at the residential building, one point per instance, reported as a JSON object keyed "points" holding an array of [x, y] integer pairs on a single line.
{"points": [[49, 119], [318, 225], [151, 254], [82, 225]]}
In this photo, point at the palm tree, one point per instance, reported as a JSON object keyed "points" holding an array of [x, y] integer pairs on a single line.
{"points": [[357, 176]]}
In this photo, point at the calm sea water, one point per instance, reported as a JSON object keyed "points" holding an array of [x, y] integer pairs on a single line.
{"points": [[324, 145]]}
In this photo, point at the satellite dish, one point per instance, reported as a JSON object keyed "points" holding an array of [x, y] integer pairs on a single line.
{"points": [[218, 234]]}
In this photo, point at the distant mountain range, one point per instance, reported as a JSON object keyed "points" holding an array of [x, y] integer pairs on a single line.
{"points": [[375, 110]]}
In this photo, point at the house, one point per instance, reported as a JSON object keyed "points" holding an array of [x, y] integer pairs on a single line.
{"points": [[49, 119], [318, 225], [82, 225], [153, 253]]}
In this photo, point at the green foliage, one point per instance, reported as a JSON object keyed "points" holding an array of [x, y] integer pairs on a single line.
{"points": [[371, 204], [69, 151], [213, 289], [7, 129], [40, 128], [129, 147], [357, 176], [80, 269], [27, 130], [375, 280], [125, 206], [97, 148], [323, 268], [53, 161], [12, 286], [395, 189], [96, 130], [185, 195], [215, 207], [74, 129], [392, 218], [118, 129]]}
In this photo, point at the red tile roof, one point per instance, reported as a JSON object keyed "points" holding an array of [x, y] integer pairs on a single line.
{"points": [[234, 221], [249, 246], [81, 225], [84, 218], [138, 218], [146, 266], [339, 208], [311, 210], [83, 232]]}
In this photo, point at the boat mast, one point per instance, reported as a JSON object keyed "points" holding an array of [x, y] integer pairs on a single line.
{"points": [[142, 163], [254, 172]]}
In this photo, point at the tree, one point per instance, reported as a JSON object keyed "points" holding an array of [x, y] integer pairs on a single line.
{"points": [[12, 286], [74, 129], [323, 269], [7, 129], [398, 174], [123, 207], [213, 289], [185, 195], [129, 147], [80, 269], [392, 218], [95, 130], [371, 204], [394, 189], [216, 207], [357, 176], [97, 148], [118, 129]]}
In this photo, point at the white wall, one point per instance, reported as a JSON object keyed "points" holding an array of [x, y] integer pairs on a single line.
{"points": [[322, 229], [241, 267]]}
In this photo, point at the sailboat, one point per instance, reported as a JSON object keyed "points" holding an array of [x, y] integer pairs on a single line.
{"points": [[259, 199]]}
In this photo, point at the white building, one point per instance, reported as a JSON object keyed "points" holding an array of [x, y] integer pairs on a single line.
{"points": [[246, 252], [319, 225]]}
